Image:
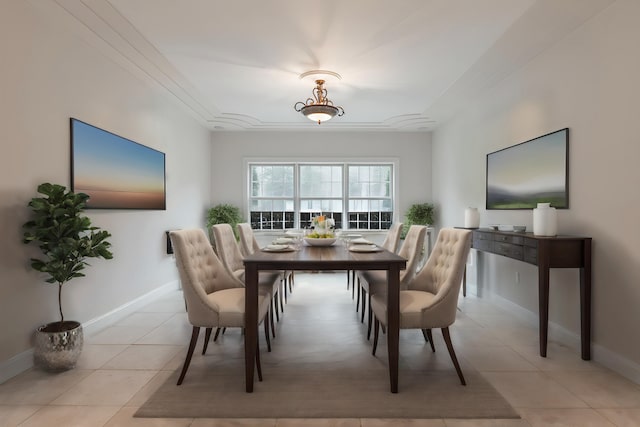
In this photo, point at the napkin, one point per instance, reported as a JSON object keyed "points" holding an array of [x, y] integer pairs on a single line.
{"points": [[360, 241]]}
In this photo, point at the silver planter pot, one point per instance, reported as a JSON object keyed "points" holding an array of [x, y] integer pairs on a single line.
{"points": [[58, 345]]}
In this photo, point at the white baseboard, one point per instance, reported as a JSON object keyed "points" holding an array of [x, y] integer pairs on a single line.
{"points": [[599, 354], [91, 327], [16, 365], [23, 361]]}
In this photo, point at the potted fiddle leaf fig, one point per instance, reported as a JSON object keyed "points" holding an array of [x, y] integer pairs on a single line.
{"points": [[66, 239]]}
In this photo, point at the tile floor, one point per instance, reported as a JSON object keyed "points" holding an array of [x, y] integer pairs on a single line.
{"points": [[123, 364]]}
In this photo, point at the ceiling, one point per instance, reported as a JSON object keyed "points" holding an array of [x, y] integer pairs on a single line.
{"points": [[405, 65]]}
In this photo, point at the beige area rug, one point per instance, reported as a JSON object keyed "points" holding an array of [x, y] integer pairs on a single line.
{"points": [[321, 367]]}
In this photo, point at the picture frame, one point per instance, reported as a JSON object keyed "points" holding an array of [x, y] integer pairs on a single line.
{"points": [[116, 173], [532, 172]]}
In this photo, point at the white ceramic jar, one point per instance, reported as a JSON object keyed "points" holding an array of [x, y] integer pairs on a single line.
{"points": [[545, 220], [471, 218]]}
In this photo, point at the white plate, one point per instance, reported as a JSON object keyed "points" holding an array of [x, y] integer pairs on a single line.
{"points": [[282, 241], [278, 248], [365, 248], [320, 242]]}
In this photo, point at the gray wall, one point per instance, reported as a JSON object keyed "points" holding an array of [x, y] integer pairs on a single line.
{"points": [[589, 83], [49, 74]]}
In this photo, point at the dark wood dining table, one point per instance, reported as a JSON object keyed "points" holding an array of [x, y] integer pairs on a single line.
{"points": [[319, 258]]}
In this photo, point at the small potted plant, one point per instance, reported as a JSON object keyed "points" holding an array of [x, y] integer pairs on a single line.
{"points": [[66, 238], [223, 214], [418, 214]]}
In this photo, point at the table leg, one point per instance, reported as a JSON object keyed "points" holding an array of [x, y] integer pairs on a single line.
{"points": [[543, 296], [393, 324], [251, 323], [585, 301], [464, 282]]}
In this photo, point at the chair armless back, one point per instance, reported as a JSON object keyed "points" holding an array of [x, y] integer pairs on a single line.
{"points": [[442, 274], [201, 273], [248, 242], [392, 239], [412, 250], [228, 249]]}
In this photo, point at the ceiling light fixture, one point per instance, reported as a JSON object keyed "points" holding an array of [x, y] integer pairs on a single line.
{"points": [[319, 108]]}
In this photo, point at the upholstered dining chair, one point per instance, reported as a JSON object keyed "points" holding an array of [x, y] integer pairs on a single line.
{"points": [[390, 243], [214, 298], [374, 281], [230, 255], [248, 245], [430, 300]]}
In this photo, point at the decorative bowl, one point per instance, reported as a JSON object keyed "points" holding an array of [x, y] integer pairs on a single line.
{"points": [[519, 228], [323, 241]]}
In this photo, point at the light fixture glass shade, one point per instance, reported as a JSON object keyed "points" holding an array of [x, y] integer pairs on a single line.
{"points": [[319, 113]]}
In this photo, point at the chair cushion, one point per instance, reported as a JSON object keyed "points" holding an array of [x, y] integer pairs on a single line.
{"points": [[412, 307], [229, 306], [373, 281]]}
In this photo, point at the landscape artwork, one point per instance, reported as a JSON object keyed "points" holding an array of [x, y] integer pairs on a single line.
{"points": [[535, 171], [115, 172]]}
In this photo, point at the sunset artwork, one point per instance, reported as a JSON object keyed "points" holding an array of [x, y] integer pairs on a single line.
{"points": [[115, 172]]}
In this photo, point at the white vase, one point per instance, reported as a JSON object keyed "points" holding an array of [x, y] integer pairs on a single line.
{"points": [[545, 220], [471, 218]]}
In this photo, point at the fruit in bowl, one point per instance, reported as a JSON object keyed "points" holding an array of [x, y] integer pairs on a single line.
{"points": [[316, 235]]}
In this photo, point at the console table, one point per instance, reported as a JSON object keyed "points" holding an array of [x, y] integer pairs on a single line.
{"points": [[546, 253]]}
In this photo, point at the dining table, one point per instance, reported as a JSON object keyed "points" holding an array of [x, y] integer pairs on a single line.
{"points": [[337, 257]]}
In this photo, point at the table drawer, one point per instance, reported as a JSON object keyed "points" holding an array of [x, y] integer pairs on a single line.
{"points": [[508, 249], [482, 245], [516, 240], [530, 255], [479, 235]]}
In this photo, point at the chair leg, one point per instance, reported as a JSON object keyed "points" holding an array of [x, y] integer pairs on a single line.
{"points": [[353, 283], [271, 316], [266, 331], [370, 318], [283, 289], [364, 304], [207, 336], [376, 327], [358, 299], [291, 282], [192, 345], [348, 279], [215, 337], [428, 337], [258, 365], [454, 359], [274, 302]]}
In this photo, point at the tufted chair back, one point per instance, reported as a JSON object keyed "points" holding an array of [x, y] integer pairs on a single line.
{"points": [[411, 250], [228, 249], [201, 273], [442, 275], [392, 238], [248, 242]]}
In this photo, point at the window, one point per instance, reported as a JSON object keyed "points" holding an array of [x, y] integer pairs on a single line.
{"points": [[370, 201], [357, 196], [271, 203]]}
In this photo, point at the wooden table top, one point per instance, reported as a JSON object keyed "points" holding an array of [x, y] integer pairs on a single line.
{"points": [[335, 257]]}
